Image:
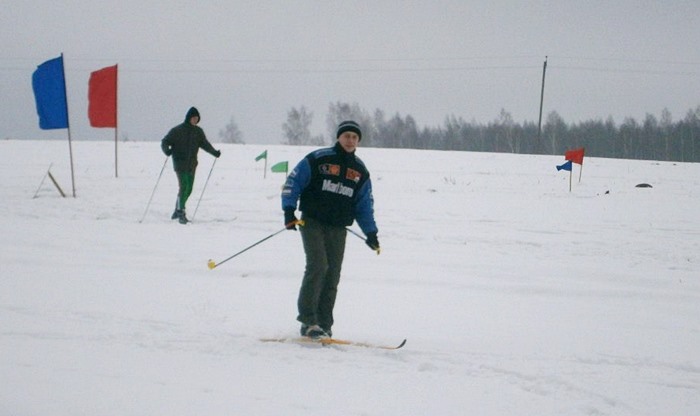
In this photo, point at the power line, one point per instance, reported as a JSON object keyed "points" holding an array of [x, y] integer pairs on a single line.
{"points": [[363, 65]]}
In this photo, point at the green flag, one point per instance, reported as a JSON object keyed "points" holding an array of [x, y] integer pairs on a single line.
{"points": [[262, 155], [280, 167]]}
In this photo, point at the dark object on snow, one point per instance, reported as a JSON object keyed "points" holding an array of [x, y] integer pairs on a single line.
{"points": [[643, 185]]}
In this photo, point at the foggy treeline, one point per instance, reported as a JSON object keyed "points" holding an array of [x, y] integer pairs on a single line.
{"points": [[652, 138]]}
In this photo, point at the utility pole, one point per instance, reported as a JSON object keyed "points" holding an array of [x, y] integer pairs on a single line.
{"points": [[539, 125]]}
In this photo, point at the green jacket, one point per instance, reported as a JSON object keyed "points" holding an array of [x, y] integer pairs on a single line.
{"points": [[183, 143]]}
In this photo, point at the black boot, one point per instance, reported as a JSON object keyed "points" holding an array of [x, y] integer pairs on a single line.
{"points": [[313, 331], [183, 219]]}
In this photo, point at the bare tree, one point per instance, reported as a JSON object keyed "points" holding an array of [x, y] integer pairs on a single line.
{"points": [[231, 133], [505, 128], [555, 130], [339, 112], [296, 128]]}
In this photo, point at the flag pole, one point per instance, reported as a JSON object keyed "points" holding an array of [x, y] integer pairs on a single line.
{"points": [[116, 118], [580, 173], [116, 171], [70, 145], [570, 175]]}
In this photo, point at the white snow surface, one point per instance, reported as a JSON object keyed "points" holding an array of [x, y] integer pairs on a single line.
{"points": [[517, 297]]}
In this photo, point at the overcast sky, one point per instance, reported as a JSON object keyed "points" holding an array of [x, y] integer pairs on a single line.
{"points": [[255, 60]]}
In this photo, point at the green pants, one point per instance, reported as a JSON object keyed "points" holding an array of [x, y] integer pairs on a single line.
{"points": [[324, 246], [185, 181]]}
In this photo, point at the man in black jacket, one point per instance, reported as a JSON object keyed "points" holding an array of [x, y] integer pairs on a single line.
{"points": [[183, 143], [333, 189]]}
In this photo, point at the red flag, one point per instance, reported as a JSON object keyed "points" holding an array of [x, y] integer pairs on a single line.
{"points": [[575, 156], [102, 97]]}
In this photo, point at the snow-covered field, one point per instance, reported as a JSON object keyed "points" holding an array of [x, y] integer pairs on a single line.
{"points": [[517, 297]]}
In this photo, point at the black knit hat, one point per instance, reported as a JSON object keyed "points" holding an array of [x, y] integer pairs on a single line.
{"points": [[349, 125], [192, 112]]}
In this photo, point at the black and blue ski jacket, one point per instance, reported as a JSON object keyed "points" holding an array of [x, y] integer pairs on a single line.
{"points": [[332, 186]]}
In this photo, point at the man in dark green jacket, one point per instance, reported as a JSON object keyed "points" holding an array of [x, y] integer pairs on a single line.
{"points": [[183, 143]]}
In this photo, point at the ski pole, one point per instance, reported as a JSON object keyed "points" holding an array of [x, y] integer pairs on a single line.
{"points": [[378, 250], [211, 264], [154, 189], [203, 189]]}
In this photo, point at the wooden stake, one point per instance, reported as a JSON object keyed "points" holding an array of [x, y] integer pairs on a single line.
{"points": [[42, 181], [63, 194]]}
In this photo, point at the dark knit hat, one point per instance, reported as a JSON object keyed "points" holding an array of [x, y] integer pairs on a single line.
{"points": [[192, 112], [349, 125]]}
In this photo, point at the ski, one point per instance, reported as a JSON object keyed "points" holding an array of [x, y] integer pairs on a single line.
{"points": [[333, 341]]}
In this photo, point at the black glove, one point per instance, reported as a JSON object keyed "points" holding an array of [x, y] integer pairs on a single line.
{"points": [[217, 154], [290, 220], [372, 241], [168, 152]]}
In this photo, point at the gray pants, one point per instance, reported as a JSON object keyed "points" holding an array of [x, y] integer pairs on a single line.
{"points": [[324, 246]]}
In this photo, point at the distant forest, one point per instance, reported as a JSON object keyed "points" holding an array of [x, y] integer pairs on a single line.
{"points": [[651, 139]]}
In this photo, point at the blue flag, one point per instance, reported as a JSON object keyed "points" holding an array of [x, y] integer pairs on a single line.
{"points": [[49, 85], [565, 166]]}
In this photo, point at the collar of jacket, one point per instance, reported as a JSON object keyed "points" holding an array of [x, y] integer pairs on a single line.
{"points": [[344, 154]]}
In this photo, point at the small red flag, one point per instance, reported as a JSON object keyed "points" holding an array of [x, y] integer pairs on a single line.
{"points": [[575, 156], [102, 97]]}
